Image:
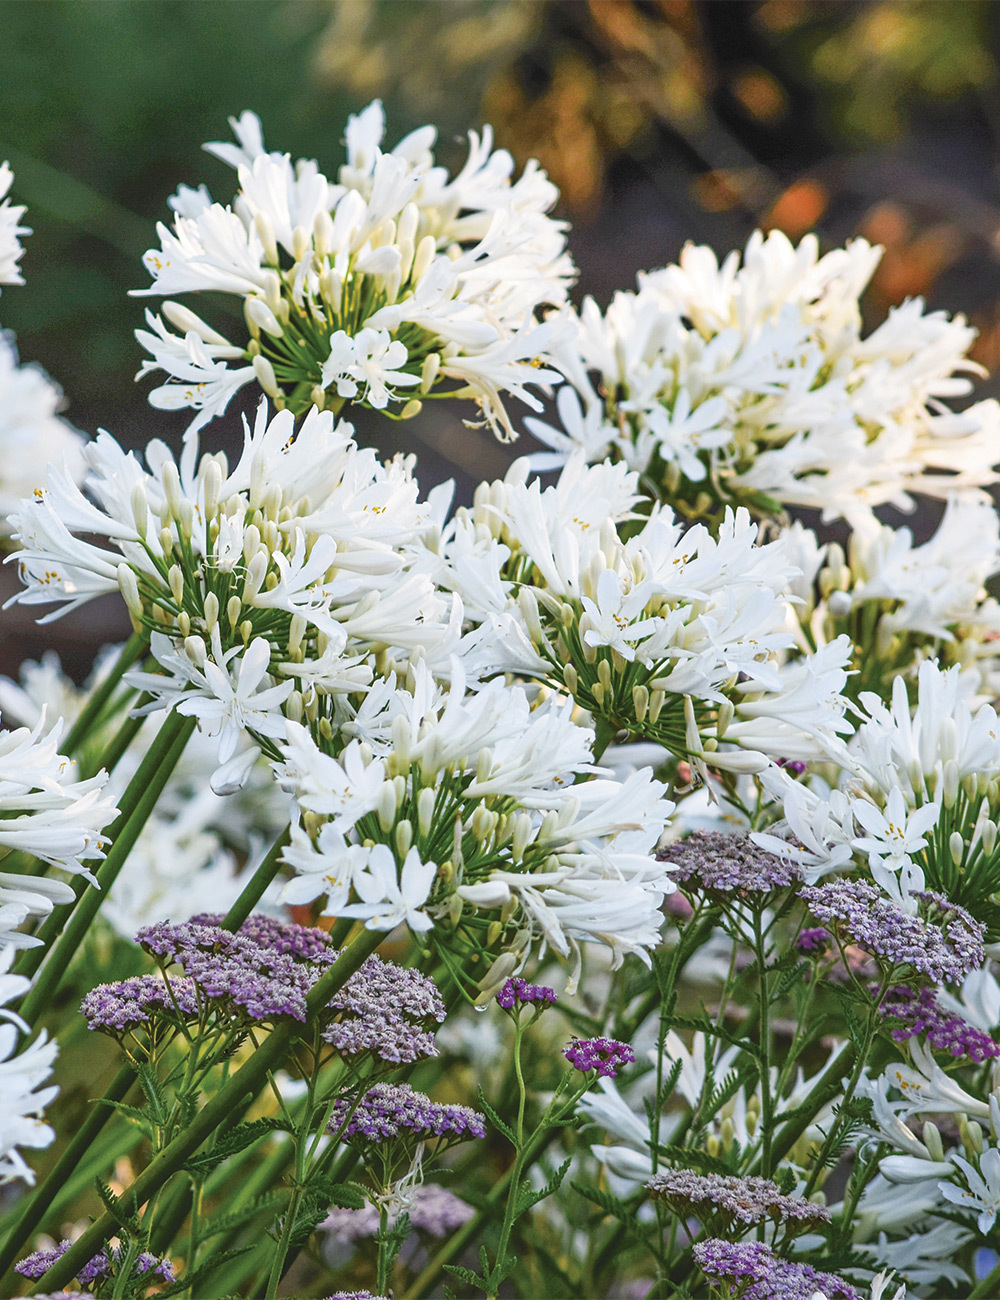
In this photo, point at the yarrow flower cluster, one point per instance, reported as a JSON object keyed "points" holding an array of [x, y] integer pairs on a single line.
{"points": [[763, 1275], [943, 944], [746, 1201], [104, 1264], [719, 863], [264, 972], [391, 1111], [518, 992], [605, 1055], [944, 1030], [430, 1208], [395, 281]]}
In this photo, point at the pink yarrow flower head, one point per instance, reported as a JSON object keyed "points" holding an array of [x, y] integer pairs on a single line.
{"points": [[517, 993], [605, 1055], [763, 1275]]}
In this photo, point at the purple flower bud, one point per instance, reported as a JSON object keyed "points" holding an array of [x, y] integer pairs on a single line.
{"points": [[815, 940], [605, 1055], [517, 990]]}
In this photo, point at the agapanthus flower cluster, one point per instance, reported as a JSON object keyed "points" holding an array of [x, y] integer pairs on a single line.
{"points": [[451, 802], [941, 942], [23, 1073], [762, 1275], [673, 634], [944, 1031], [390, 284], [32, 434], [10, 230], [751, 381], [104, 1264]]}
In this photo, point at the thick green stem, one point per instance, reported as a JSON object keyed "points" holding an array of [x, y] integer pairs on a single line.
{"points": [[989, 1287], [826, 1087], [459, 1240], [133, 648], [253, 890], [251, 1076], [34, 1206], [163, 755]]}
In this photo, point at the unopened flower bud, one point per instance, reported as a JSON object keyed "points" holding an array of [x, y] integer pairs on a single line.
{"points": [[260, 317], [211, 611], [234, 608], [386, 806], [487, 893], [264, 371], [404, 837], [187, 322], [413, 407], [129, 588], [956, 846], [932, 1140], [425, 810], [265, 232]]}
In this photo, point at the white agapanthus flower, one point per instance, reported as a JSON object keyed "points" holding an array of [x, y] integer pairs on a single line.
{"points": [[752, 379], [22, 1074], [978, 1190], [32, 436], [450, 802], [391, 283], [641, 626], [10, 230]]}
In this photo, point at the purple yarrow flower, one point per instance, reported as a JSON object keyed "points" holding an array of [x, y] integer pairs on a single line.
{"points": [[605, 1055], [769, 1276], [265, 970], [517, 990], [750, 1200], [394, 1110], [943, 942], [100, 1265], [355, 1295], [124, 1005], [815, 940], [721, 863], [793, 765], [432, 1209], [945, 1031]]}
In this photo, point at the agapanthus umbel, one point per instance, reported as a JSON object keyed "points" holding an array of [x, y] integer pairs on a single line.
{"points": [[394, 1110], [719, 863], [518, 992], [943, 942], [754, 382], [763, 1275], [944, 1031], [605, 1055], [395, 282], [10, 230], [103, 1264], [716, 1198]]}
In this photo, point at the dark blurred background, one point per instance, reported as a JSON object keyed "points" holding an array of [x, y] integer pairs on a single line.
{"points": [[660, 120]]}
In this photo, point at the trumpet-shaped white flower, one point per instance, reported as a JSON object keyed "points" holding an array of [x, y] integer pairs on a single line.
{"points": [[981, 1191], [392, 896], [10, 230]]}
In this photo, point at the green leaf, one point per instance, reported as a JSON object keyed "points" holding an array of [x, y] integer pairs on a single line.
{"points": [[191, 1281], [528, 1196], [496, 1121], [236, 1140], [266, 1201], [158, 1107]]}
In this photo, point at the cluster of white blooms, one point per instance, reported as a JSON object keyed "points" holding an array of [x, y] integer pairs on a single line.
{"points": [[910, 776], [393, 283], [187, 857], [22, 1098], [752, 381], [672, 634], [10, 230], [900, 602], [278, 582], [450, 803], [31, 433]]}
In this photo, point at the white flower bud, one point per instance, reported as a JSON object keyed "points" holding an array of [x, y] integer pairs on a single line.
{"points": [[424, 256], [425, 810], [387, 806], [404, 837], [264, 371], [129, 588], [265, 231], [259, 314], [187, 322], [487, 893]]}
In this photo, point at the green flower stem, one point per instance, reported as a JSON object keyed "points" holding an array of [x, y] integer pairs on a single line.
{"points": [[604, 733], [132, 650], [253, 890], [120, 741], [766, 1099], [250, 1077], [826, 1087], [382, 1271], [139, 800], [458, 1241], [855, 1078], [988, 1287], [35, 1204]]}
